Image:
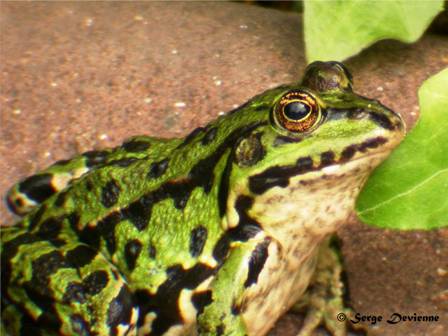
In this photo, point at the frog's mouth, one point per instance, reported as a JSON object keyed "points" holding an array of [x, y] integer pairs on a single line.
{"points": [[371, 152], [368, 154], [371, 159]]}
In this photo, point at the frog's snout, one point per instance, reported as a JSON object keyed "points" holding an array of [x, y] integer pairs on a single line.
{"points": [[389, 122], [387, 119]]}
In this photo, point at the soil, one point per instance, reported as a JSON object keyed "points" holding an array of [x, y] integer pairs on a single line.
{"points": [[77, 76]]}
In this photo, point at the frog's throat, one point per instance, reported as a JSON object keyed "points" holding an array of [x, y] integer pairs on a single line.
{"points": [[316, 203]]}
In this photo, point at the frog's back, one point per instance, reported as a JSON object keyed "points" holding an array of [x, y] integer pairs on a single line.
{"points": [[123, 183], [137, 218], [25, 196]]}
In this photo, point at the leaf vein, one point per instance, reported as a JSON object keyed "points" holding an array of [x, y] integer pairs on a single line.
{"points": [[407, 192]]}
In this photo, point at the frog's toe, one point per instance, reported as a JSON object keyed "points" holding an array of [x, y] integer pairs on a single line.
{"points": [[324, 300]]}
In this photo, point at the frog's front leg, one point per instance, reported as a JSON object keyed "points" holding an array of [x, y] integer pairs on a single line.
{"points": [[222, 316], [324, 300]]}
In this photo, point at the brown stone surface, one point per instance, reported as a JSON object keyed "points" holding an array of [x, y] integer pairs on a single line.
{"points": [[80, 75]]}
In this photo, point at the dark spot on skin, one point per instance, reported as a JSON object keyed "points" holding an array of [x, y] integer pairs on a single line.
{"points": [[120, 310], [242, 206], [270, 178], [158, 168], [327, 158], [62, 162], [304, 164], [95, 282], [139, 212], [36, 217], [348, 152], [201, 300], [257, 261], [236, 308], [178, 191], [132, 250], [60, 200], [371, 143], [49, 319], [91, 235], [152, 252], [110, 193], [209, 136], [74, 293], [95, 158], [79, 325], [284, 140], [222, 247], [165, 302], [80, 256], [73, 220], [190, 137], [37, 187], [106, 229], [89, 185], [240, 233], [198, 238], [122, 163], [223, 191], [50, 228], [220, 330], [135, 146], [381, 120], [28, 326], [249, 151]]}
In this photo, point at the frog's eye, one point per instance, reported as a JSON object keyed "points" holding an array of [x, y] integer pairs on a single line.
{"points": [[298, 111]]}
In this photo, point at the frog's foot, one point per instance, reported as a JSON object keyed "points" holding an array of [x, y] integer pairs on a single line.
{"points": [[324, 300]]}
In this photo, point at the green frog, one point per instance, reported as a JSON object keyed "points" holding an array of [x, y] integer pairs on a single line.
{"points": [[217, 233]]}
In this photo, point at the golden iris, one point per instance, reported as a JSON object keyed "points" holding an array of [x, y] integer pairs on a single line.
{"points": [[298, 111]]}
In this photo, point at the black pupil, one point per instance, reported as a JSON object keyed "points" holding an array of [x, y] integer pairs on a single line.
{"points": [[296, 110]]}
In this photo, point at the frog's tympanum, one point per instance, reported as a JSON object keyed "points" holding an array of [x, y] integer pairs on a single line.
{"points": [[217, 233]]}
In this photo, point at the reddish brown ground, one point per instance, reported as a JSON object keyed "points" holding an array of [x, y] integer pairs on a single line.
{"points": [[78, 76]]}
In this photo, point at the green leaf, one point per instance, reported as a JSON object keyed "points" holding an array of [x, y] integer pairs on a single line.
{"points": [[335, 30], [410, 189]]}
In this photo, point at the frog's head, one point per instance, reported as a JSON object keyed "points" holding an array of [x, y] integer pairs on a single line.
{"points": [[317, 137]]}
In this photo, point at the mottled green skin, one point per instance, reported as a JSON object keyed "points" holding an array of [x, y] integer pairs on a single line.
{"points": [[175, 221]]}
